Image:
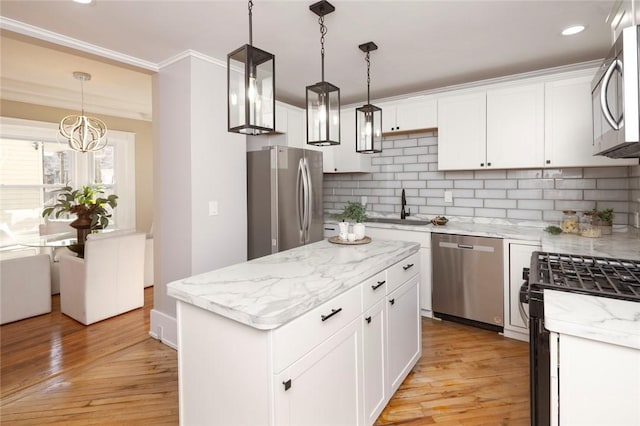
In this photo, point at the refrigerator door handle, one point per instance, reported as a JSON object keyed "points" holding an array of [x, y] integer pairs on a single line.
{"points": [[305, 201], [309, 205], [300, 199]]}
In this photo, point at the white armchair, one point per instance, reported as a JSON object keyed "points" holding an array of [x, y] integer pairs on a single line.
{"points": [[109, 280], [25, 287], [56, 226]]}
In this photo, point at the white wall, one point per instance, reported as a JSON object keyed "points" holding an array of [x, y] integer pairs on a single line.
{"points": [[195, 161]]}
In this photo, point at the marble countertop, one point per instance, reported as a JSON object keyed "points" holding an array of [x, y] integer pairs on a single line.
{"points": [[624, 243], [596, 318], [267, 292]]}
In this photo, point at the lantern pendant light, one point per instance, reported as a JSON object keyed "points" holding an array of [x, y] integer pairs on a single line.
{"points": [[82, 133], [251, 87], [368, 117], [323, 98]]}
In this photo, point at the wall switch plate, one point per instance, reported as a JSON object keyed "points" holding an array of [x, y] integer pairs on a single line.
{"points": [[448, 196], [213, 208], [363, 200]]}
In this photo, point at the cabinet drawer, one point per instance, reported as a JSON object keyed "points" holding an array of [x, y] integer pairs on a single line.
{"points": [[302, 334], [373, 289], [399, 273]]}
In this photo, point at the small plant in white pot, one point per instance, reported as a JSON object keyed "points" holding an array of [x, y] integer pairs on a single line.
{"points": [[355, 213]]}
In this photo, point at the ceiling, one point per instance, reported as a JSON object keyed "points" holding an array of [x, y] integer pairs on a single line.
{"points": [[423, 45]]}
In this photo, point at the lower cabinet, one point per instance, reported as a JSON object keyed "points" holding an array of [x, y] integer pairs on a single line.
{"points": [[403, 331], [324, 386], [338, 364]]}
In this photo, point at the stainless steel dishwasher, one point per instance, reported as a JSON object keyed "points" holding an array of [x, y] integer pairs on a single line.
{"points": [[468, 279]]}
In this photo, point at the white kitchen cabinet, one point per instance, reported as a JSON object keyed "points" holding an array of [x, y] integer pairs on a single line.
{"points": [[462, 131], [424, 239], [403, 332], [517, 255], [375, 371], [289, 130], [325, 386], [343, 157], [568, 140], [409, 114], [515, 126], [593, 383]]}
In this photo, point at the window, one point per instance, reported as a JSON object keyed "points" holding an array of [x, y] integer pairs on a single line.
{"points": [[33, 165]]}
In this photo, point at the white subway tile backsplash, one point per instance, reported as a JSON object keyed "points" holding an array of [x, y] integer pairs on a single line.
{"points": [[490, 174], [501, 204], [563, 173], [606, 172], [471, 184], [607, 195], [411, 162], [575, 184], [613, 183], [562, 194], [535, 183], [491, 193], [501, 184]]}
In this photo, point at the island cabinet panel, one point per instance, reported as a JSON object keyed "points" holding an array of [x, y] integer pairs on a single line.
{"points": [[403, 332], [374, 340], [324, 387]]}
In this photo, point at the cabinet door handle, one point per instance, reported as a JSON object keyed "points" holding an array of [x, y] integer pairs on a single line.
{"points": [[377, 286], [489, 164], [333, 312], [407, 266], [329, 229], [368, 320], [287, 385], [548, 161], [481, 164], [392, 301]]}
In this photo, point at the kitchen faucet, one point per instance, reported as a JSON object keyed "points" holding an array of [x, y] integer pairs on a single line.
{"points": [[403, 214]]}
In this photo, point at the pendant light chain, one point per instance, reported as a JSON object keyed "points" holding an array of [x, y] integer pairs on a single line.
{"points": [[250, 23], [368, 76], [82, 96], [323, 32]]}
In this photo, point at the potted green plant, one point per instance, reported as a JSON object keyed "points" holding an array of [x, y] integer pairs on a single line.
{"points": [[355, 213], [92, 209], [603, 219]]}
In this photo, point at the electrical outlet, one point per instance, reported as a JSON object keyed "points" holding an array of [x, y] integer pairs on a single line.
{"points": [[448, 197], [363, 200], [213, 208]]}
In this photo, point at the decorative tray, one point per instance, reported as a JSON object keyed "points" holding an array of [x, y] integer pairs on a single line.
{"points": [[337, 240]]}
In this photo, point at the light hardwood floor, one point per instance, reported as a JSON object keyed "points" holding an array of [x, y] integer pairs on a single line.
{"points": [[54, 370]]}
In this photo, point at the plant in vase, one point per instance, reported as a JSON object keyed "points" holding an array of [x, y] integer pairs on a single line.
{"points": [[356, 213], [92, 209], [603, 219]]}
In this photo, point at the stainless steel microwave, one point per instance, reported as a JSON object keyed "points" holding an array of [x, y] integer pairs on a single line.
{"points": [[615, 93]]}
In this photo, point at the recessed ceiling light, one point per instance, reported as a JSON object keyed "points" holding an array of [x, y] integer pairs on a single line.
{"points": [[83, 1], [575, 29]]}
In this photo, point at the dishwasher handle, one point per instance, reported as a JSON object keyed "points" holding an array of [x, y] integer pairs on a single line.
{"points": [[461, 246], [465, 246]]}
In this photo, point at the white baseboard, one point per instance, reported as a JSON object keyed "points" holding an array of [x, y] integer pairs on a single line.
{"points": [[164, 328], [515, 335]]}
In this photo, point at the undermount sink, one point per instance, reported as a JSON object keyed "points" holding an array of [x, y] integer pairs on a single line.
{"points": [[409, 222]]}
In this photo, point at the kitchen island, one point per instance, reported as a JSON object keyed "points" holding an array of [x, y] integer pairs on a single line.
{"points": [[292, 338]]}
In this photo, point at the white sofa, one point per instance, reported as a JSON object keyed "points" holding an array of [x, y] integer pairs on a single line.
{"points": [[108, 281], [25, 287]]}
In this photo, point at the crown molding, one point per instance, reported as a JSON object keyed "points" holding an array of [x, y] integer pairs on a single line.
{"points": [[193, 54], [40, 94], [62, 40]]}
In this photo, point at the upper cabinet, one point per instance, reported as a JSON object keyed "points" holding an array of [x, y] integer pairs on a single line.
{"points": [[538, 122], [462, 131], [289, 129], [408, 115], [343, 158]]}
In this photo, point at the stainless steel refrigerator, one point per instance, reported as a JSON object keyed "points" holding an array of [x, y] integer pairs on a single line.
{"points": [[284, 199]]}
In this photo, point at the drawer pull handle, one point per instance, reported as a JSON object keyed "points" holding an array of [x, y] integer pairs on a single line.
{"points": [[377, 286], [368, 319], [287, 385], [333, 312], [408, 266], [392, 301]]}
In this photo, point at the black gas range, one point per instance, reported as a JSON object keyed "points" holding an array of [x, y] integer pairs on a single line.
{"points": [[590, 275]]}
